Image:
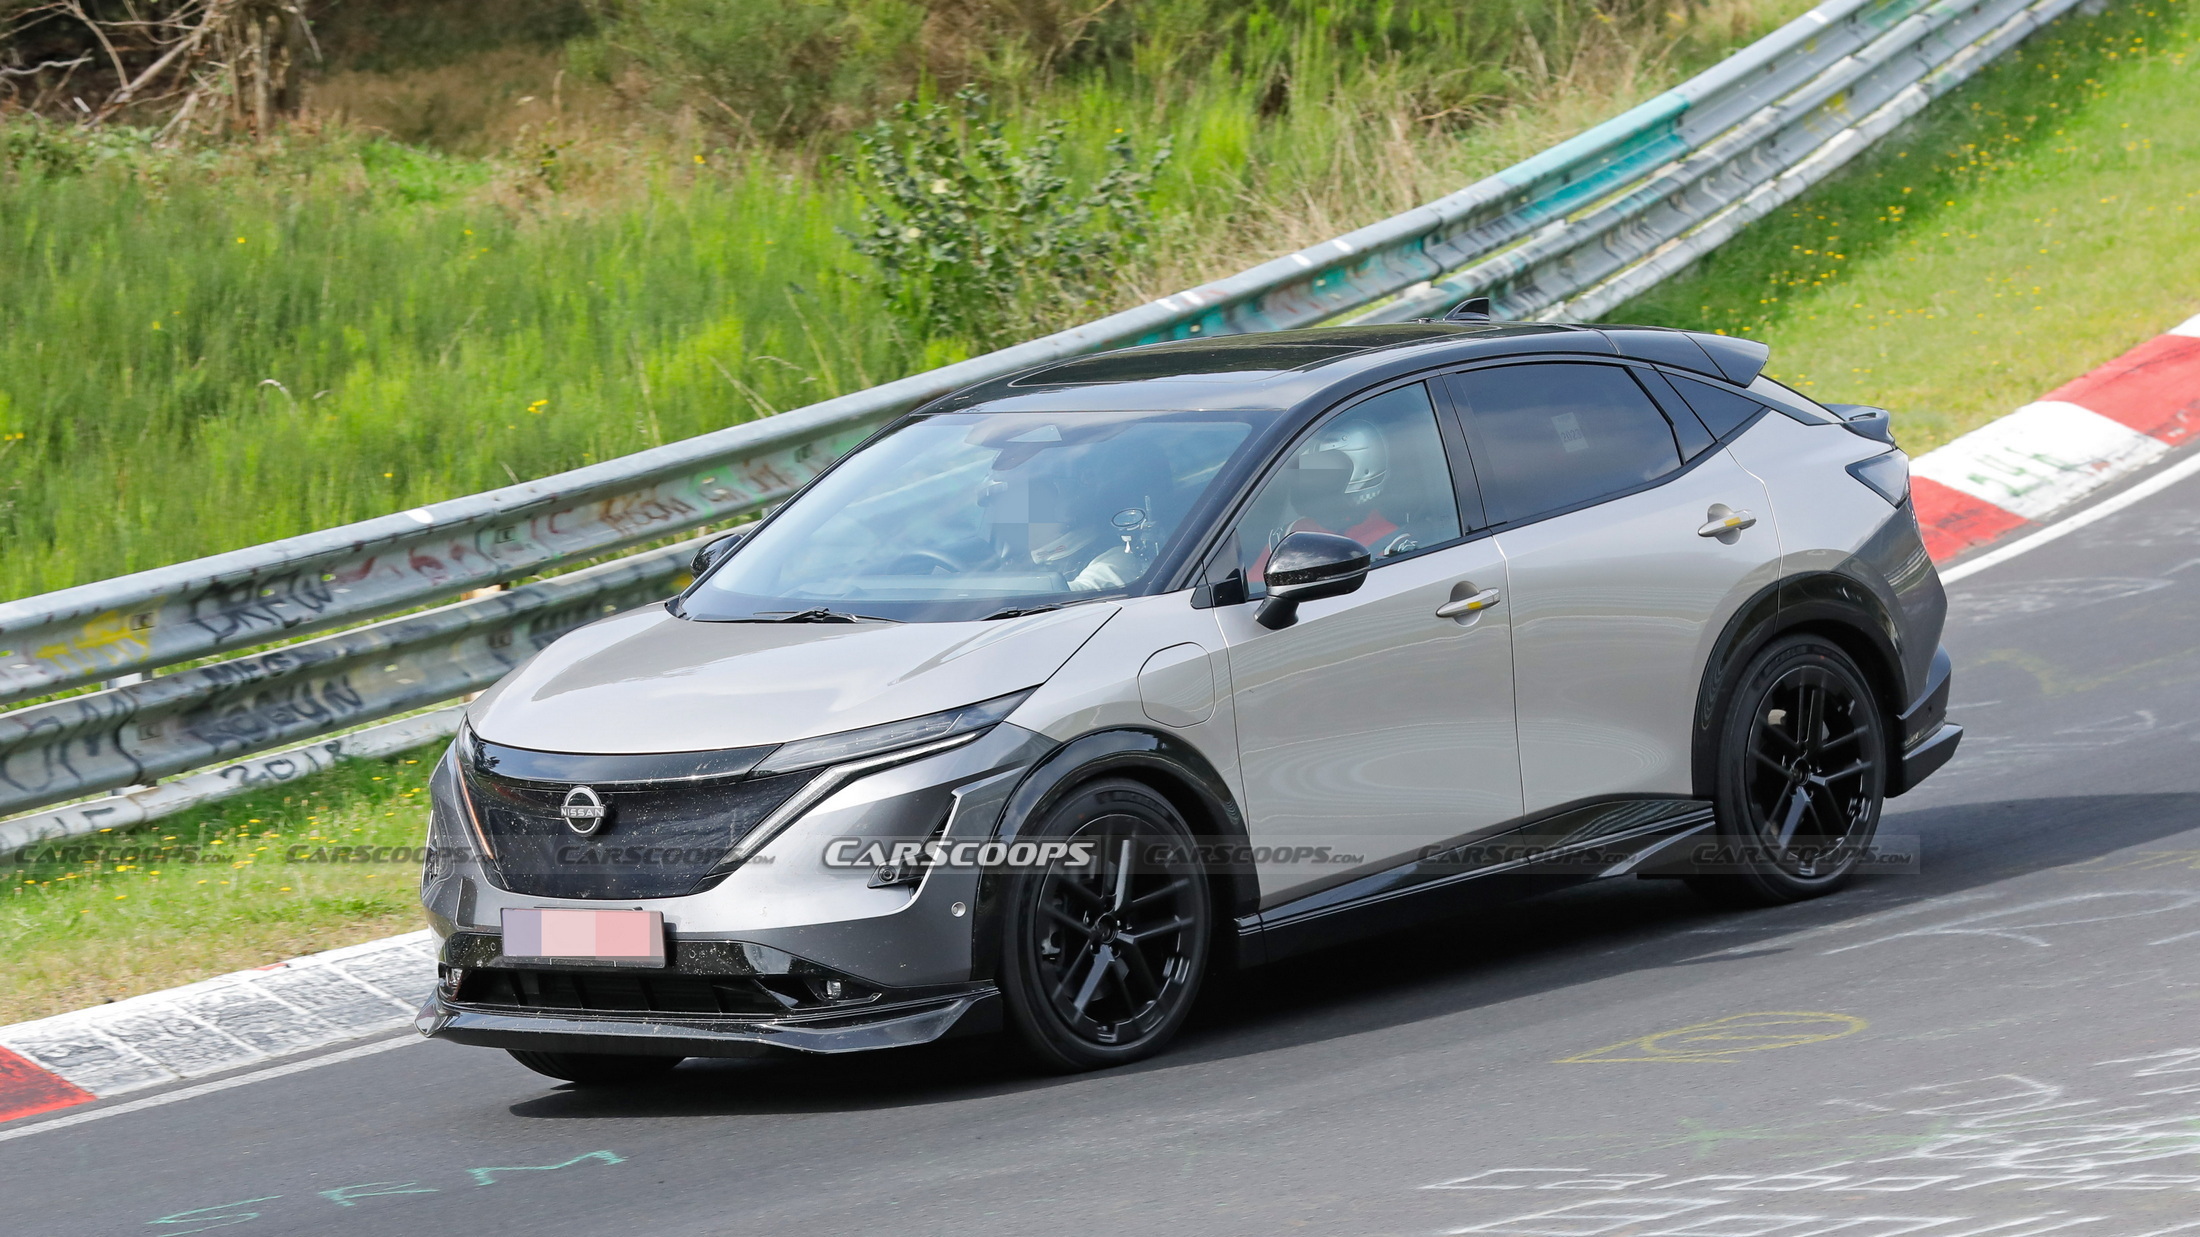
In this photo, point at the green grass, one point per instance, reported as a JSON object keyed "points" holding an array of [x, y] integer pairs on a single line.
{"points": [[238, 884], [207, 350], [243, 359], [2028, 227]]}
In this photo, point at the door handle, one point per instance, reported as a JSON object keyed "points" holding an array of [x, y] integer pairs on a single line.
{"points": [[1468, 605], [1730, 522]]}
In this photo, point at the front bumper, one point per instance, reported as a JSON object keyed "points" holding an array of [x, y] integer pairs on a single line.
{"points": [[904, 936], [898, 1025], [741, 951], [710, 999]]}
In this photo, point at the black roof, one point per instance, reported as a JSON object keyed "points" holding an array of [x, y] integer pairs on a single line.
{"points": [[1287, 369]]}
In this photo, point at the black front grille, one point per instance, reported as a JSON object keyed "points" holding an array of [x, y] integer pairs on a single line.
{"points": [[616, 992], [660, 840]]}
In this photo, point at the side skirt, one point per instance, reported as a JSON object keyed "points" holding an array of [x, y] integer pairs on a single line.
{"points": [[1578, 843]]}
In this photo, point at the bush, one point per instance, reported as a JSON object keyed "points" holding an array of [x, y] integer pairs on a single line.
{"points": [[774, 68], [972, 237], [789, 69], [31, 147]]}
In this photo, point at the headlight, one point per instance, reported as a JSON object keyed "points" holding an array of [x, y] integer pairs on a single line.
{"points": [[849, 745], [453, 837]]}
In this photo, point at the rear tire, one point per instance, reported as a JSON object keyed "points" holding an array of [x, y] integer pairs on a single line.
{"points": [[1102, 961], [595, 1069], [1801, 777]]}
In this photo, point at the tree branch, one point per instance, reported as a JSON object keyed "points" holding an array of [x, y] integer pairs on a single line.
{"points": [[36, 69]]}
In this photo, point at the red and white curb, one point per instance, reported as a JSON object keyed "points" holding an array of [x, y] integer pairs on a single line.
{"points": [[2047, 455], [218, 1024]]}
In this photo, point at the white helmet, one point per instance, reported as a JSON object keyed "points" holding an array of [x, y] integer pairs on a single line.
{"points": [[1355, 448]]}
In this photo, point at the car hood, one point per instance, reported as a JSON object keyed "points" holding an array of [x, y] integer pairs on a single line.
{"points": [[647, 681]]}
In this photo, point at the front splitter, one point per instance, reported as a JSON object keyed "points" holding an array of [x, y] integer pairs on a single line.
{"points": [[901, 1026]]}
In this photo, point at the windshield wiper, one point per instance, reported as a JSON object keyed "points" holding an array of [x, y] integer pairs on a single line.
{"points": [[1018, 613], [825, 616]]}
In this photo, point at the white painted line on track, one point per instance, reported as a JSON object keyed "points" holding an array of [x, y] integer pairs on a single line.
{"points": [[208, 1088], [2062, 528]]}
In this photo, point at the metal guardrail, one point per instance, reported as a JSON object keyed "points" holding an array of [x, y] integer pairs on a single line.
{"points": [[1570, 232], [1750, 150], [1721, 215], [117, 812], [133, 734]]}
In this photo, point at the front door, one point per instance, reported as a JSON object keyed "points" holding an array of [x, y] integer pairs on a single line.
{"points": [[1620, 570], [1373, 726]]}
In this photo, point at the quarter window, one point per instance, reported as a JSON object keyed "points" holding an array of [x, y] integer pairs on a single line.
{"points": [[1723, 412], [1549, 437], [1375, 472]]}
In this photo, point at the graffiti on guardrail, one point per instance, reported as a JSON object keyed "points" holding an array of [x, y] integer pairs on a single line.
{"points": [[131, 734]]}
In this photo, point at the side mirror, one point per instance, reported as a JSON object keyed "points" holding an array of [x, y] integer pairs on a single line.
{"points": [[1307, 567], [715, 551]]}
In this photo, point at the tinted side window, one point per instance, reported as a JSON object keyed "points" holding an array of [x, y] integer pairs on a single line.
{"points": [[1375, 472], [1547, 437], [1723, 412], [1688, 428]]}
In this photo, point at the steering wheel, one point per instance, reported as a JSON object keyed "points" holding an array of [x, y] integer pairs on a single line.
{"points": [[917, 562]]}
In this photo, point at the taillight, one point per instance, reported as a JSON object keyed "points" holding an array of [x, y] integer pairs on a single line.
{"points": [[1888, 475]]}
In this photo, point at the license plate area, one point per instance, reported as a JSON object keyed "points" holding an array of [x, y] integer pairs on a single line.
{"points": [[587, 936]]}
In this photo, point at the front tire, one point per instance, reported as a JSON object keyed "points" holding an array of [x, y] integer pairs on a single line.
{"points": [[1801, 777], [595, 1069], [1101, 961]]}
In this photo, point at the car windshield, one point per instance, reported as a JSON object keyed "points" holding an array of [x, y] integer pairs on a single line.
{"points": [[976, 515]]}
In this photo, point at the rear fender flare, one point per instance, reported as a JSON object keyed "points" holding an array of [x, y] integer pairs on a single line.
{"points": [[1842, 609]]}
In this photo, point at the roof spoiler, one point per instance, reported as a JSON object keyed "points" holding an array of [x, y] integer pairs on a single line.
{"points": [[1738, 361]]}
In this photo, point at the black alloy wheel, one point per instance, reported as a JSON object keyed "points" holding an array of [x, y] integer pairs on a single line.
{"points": [[1801, 778], [595, 1069], [1102, 959]]}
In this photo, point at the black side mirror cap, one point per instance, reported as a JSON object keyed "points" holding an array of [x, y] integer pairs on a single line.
{"points": [[1866, 421], [1308, 567], [715, 551]]}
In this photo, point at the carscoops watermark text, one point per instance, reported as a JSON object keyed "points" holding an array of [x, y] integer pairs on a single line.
{"points": [[995, 854], [941, 853]]}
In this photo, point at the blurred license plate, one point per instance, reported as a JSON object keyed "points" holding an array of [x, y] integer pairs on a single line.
{"points": [[615, 938]]}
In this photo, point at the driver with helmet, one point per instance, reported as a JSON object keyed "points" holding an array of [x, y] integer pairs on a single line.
{"points": [[1333, 485]]}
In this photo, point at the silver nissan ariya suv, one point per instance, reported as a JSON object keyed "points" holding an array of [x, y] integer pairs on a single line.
{"points": [[1067, 688]]}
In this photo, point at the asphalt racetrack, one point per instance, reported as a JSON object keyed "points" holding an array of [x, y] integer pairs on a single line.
{"points": [[2006, 1043]]}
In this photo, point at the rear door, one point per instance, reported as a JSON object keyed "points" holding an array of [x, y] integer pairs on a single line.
{"points": [[1621, 570], [1373, 726]]}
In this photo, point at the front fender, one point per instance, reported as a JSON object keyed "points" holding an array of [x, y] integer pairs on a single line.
{"points": [[1173, 767]]}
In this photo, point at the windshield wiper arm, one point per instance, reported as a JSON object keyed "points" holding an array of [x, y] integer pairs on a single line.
{"points": [[1014, 612], [822, 615]]}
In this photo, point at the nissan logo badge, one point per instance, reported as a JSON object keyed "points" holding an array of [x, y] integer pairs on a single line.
{"points": [[584, 810]]}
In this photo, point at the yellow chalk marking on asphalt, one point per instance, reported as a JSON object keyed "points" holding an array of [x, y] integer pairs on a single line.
{"points": [[2144, 861], [1723, 1039]]}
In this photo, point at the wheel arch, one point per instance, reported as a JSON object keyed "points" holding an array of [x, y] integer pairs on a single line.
{"points": [[1166, 764], [1826, 604]]}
